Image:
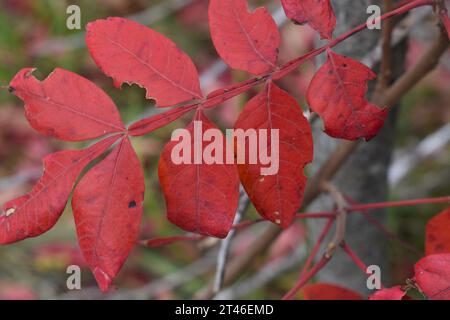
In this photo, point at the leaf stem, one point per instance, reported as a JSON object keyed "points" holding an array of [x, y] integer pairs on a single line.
{"points": [[402, 203], [352, 254], [311, 273], [316, 247]]}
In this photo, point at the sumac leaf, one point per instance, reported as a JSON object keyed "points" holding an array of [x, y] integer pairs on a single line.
{"points": [[394, 293], [245, 41], [200, 198], [277, 197], [38, 211], [130, 52], [438, 233], [107, 206], [66, 105], [327, 291], [337, 94], [432, 275], [318, 14]]}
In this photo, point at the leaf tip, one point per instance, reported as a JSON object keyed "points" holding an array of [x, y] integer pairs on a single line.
{"points": [[104, 281]]}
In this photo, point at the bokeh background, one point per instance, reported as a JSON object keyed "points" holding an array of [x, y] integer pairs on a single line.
{"points": [[34, 34]]}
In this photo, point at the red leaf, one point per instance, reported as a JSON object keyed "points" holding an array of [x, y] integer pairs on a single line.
{"points": [[337, 93], [317, 13], [200, 198], [438, 233], [245, 41], [326, 291], [394, 293], [66, 105], [277, 197], [107, 205], [36, 212], [130, 52], [432, 275]]}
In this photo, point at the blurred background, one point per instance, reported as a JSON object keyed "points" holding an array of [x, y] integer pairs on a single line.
{"points": [[34, 34]]}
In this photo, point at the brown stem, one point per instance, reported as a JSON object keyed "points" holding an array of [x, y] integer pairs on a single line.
{"points": [[386, 57], [426, 63], [341, 217]]}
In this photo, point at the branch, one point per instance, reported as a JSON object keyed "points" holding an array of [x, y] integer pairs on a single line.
{"points": [[401, 203], [361, 265], [341, 217], [389, 233], [316, 247], [381, 227], [311, 273], [400, 33], [225, 244], [386, 58], [426, 64]]}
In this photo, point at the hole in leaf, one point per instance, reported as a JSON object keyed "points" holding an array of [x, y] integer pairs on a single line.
{"points": [[132, 204]]}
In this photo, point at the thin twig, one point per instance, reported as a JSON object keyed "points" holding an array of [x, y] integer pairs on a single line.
{"points": [[381, 227], [316, 247], [341, 217], [352, 254], [311, 273], [389, 233], [225, 244], [386, 58], [401, 203]]}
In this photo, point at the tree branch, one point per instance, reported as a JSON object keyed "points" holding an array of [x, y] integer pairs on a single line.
{"points": [[225, 244]]}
